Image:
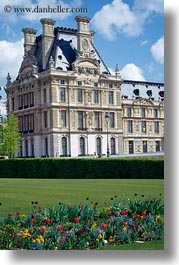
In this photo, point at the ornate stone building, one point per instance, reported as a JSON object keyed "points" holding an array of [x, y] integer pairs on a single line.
{"points": [[62, 95], [69, 104], [143, 116]]}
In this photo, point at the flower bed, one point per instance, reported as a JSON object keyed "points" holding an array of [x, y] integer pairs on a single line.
{"points": [[70, 227]]}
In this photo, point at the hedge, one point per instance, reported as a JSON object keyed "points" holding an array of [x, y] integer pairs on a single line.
{"points": [[76, 168]]}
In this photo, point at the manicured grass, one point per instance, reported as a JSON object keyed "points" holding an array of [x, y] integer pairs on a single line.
{"points": [[153, 245], [17, 194]]}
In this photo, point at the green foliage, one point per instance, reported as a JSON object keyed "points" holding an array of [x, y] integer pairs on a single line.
{"points": [[9, 137], [83, 168]]}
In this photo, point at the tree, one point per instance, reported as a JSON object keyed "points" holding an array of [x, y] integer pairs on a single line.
{"points": [[10, 137]]}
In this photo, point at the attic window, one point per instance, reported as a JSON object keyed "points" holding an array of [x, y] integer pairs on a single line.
{"points": [[136, 92], [79, 83], [161, 94], [149, 93], [59, 57]]}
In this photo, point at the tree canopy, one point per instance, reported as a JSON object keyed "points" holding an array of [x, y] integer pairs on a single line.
{"points": [[9, 137]]}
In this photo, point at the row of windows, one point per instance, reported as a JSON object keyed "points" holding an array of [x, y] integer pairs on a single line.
{"points": [[144, 146], [143, 112], [82, 121], [143, 126], [26, 123], [80, 96], [62, 82], [29, 147], [83, 146], [24, 101]]}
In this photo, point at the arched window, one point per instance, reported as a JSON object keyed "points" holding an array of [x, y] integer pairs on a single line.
{"points": [[98, 146], [82, 146], [64, 146], [113, 146]]}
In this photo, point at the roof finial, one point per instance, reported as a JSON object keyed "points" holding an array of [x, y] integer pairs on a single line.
{"points": [[8, 80]]}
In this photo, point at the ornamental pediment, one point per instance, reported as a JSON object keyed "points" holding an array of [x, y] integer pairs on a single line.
{"points": [[86, 66], [143, 101]]}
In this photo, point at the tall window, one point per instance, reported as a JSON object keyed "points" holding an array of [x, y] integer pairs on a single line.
{"points": [[156, 126], [96, 96], [32, 147], [26, 148], [31, 122], [64, 146], [31, 99], [46, 146], [157, 146], [98, 145], [113, 146], [129, 126], [63, 118], [143, 112], [155, 113], [111, 120], [97, 120], [62, 94], [144, 128], [45, 119], [12, 100], [80, 120], [144, 146], [82, 146], [111, 97], [80, 95], [44, 95], [128, 112], [131, 147]]}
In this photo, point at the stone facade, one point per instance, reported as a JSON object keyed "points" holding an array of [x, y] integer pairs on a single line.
{"points": [[68, 103]]}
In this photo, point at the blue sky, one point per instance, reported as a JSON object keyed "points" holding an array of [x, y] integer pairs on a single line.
{"points": [[127, 32]]}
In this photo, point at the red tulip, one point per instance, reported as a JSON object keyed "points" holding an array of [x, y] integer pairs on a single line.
{"points": [[69, 206], [143, 213], [32, 220], [17, 213], [109, 213], [59, 228], [42, 230], [124, 223], [76, 220], [126, 211], [137, 216], [123, 212], [10, 214], [115, 213], [47, 221], [104, 226]]}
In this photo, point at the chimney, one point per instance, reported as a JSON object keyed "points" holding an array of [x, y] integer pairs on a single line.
{"points": [[47, 39], [29, 39], [83, 33]]}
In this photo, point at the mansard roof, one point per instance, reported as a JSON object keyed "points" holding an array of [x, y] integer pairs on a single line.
{"points": [[64, 50], [141, 89]]}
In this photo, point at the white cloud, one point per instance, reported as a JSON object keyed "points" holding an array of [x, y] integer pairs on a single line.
{"points": [[132, 72], [145, 42], [157, 50], [10, 59], [117, 17]]}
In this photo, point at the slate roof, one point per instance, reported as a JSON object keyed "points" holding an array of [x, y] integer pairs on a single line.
{"points": [[64, 50], [140, 89]]}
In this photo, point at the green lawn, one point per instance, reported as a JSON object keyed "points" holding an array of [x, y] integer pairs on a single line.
{"points": [[17, 194]]}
